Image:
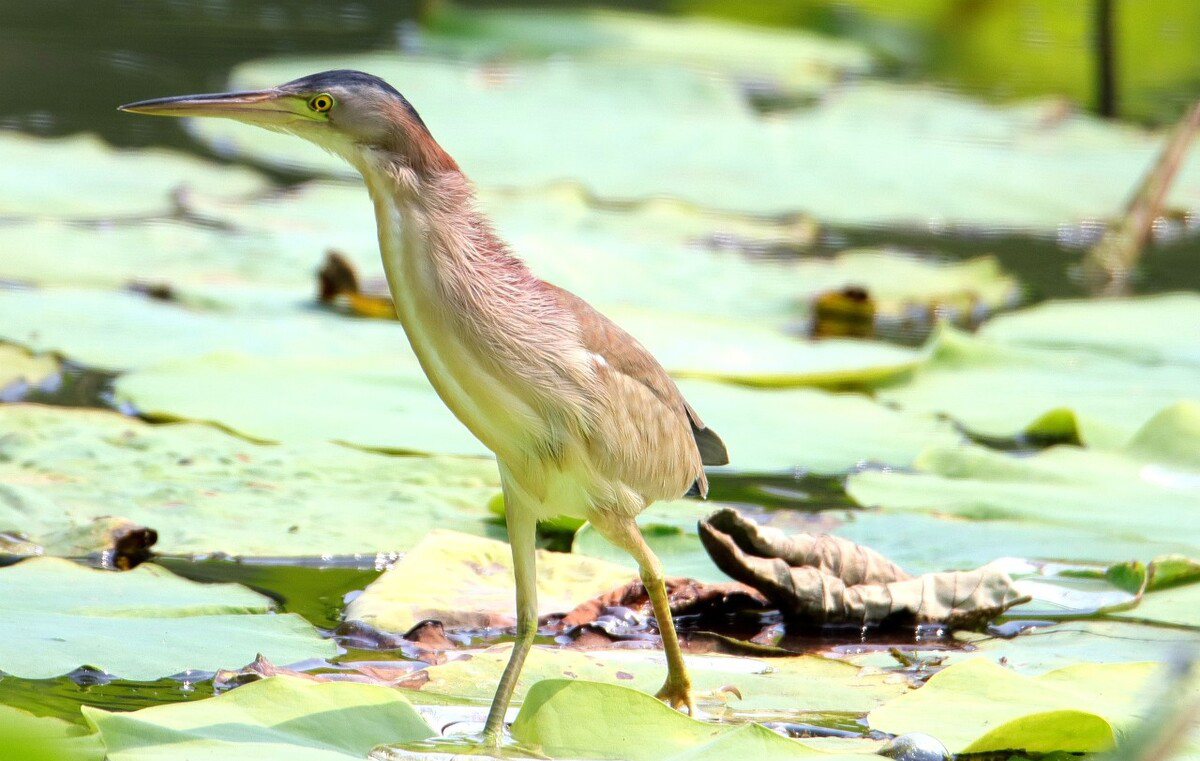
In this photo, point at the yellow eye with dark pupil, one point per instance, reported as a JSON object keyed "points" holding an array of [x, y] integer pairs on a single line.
{"points": [[321, 103]]}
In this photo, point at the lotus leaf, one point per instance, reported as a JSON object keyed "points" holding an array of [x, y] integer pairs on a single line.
{"points": [[868, 154], [467, 581], [25, 737], [801, 61], [1035, 651], [142, 624], [1002, 391], [1130, 495], [82, 177], [278, 719], [682, 254], [20, 366], [565, 718], [1150, 329], [811, 430], [976, 706], [770, 687], [204, 491]]}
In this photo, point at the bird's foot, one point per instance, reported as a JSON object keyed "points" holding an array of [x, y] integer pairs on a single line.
{"points": [[677, 693]]}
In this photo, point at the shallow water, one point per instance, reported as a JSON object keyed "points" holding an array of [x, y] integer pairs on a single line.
{"points": [[68, 65]]}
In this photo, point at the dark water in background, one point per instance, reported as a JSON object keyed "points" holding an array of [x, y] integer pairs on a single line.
{"points": [[65, 65]]}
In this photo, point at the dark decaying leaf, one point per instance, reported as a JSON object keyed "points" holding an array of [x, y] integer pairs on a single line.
{"points": [[823, 580]]}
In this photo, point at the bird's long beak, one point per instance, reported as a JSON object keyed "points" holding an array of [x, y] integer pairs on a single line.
{"points": [[263, 107]]}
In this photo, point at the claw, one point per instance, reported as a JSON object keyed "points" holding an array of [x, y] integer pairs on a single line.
{"points": [[678, 695]]}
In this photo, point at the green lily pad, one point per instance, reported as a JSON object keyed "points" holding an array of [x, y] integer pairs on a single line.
{"points": [[467, 581], [670, 530], [679, 253], [17, 365], [868, 154], [378, 403], [1150, 329], [810, 430], [799, 60], [937, 541], [1002, 391], [277, 719], [184, 256], [82, 177], [740, 352], [1130, 495], [142, 624], [25, 737], [976, 706], [1035, 651], [774, 687], [1177, 606], [565, 718], [63, 471]]}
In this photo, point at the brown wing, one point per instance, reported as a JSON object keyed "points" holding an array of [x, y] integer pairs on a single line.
{"points": [[625, 355]]}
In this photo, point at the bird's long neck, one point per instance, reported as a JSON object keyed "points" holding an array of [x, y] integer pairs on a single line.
{"points": [[491, 337]]}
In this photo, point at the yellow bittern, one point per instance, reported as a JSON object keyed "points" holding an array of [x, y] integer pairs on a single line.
{"points": [[582, 419]]}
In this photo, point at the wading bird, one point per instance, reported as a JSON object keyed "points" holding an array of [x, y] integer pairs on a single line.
{"points": [[582, 419]]}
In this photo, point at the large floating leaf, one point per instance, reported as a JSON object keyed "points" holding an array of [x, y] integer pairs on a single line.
{"points": [[800, 60], [1150, 329], [867, 154], [277, 719], [467, 581], [769, 687], [811, 430], [82, 177], [1035, 651], [142, 624], [378, 403], [564, 718], [24, 737], [204, 491], [977, 706], [685, 259], [1003, 391], [1140, 494], [18, 365]]}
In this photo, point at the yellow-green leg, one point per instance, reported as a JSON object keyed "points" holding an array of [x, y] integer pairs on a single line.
{"points": [[522, 535], [623, 532]]}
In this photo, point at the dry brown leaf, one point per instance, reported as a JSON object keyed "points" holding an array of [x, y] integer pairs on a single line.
{"points": [[823, 579]]}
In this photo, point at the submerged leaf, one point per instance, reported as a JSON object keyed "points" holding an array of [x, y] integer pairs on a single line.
{"points": [[815, 580], [467, 581], [142, 624]]}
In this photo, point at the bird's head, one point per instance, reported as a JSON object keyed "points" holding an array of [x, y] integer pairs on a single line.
{"points": [[346, 112]]}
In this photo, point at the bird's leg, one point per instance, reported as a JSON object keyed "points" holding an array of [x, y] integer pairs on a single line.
{"points": [[522, 533], [623, 532]]}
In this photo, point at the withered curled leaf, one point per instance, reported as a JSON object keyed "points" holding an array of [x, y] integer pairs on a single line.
{"points": [[817, 580]]}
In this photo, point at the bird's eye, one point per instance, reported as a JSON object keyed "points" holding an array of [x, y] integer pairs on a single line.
{"points": [[321, 103]]}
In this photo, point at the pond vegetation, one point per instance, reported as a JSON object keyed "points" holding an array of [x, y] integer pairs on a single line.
{"points": [[172, 389]]}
